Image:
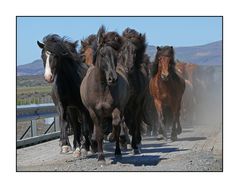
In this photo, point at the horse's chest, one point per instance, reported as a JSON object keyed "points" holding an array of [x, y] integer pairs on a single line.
{"points": [[165, 92]]}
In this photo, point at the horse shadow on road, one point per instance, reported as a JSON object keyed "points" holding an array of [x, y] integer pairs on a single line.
{"points": [[150, 155], [191, 138], [138, 160]]}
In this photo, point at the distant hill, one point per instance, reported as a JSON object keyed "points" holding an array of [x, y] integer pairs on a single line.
{"points": [[209, 54], [34, 68]]}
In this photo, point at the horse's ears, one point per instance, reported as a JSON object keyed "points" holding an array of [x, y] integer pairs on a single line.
{"points": [[83, 43], [100, 35], [75, 44], [41, 45], [158, 48]]}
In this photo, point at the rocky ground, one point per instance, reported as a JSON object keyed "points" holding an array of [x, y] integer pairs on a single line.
{"points": [[198, 148]]}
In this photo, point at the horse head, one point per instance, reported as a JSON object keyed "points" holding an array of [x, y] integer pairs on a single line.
{"points": [[127, 56], [133, 49], [165, 60], [54, 50]]}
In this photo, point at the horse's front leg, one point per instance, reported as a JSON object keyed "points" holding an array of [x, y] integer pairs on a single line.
{"points": [[136, 135], [73, 118], [116, 120], [64, 140], [175, 122], [99, 138], [162, 128]]}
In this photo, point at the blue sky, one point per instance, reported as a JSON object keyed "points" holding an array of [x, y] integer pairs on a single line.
{"points": [[175, 31]]}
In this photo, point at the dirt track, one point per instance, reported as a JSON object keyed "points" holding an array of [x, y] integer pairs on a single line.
{"points": [[199, 148]]}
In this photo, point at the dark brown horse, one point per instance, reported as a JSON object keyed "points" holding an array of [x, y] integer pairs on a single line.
{"points": [[167, 89], [104, 92], [65, 71], [88, 54]]}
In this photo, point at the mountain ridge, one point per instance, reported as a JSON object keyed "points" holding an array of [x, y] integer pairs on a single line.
{"points": [[208, 54]]}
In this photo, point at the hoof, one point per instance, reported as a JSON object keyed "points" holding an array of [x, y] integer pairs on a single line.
{"points": [[93, 147], [174, 138], [77, 153], [90, 153], [179, 130], [101, 163], [129, 146], [101, 158], [65, 149], [123, 146], [111, 138], [84, 153], [136, 151]]}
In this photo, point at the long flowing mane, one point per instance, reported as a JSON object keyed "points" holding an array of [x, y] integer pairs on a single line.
{"points": [[70, 71], [138, 40]]}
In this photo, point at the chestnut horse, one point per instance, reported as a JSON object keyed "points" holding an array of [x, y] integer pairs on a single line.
{"points": [[167, 89], [104, 92], [88, 49]]}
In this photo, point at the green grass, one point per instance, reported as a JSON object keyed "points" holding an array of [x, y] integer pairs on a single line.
{"points": [[32, 90]]}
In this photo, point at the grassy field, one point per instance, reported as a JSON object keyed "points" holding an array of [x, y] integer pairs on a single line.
{"points": [[32, 90]]}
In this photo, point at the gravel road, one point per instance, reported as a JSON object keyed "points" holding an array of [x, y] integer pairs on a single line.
{"points": [[198, 148]]}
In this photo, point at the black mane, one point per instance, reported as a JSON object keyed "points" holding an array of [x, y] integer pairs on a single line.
{"points": [[138, 40], [70, 71], [61, 46]]}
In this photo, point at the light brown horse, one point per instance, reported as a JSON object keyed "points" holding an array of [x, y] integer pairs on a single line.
{"points": [[167, 89]]}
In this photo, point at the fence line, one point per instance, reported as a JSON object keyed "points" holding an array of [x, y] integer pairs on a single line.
{"points": [[33, 113]]}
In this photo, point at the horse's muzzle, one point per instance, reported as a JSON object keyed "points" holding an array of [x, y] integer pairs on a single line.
{"points": [[111, 81], [164, 77], [49, 79]]}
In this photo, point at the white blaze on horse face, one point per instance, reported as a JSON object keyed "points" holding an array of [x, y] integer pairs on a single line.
{"points": [[48, 74]]}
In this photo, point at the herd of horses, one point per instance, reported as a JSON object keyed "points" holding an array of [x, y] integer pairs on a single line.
{"points": [[110, 90]]}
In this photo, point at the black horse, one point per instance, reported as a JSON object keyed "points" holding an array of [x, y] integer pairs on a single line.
{"points": [[108, 92], [131, 57], [64, 69]]}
